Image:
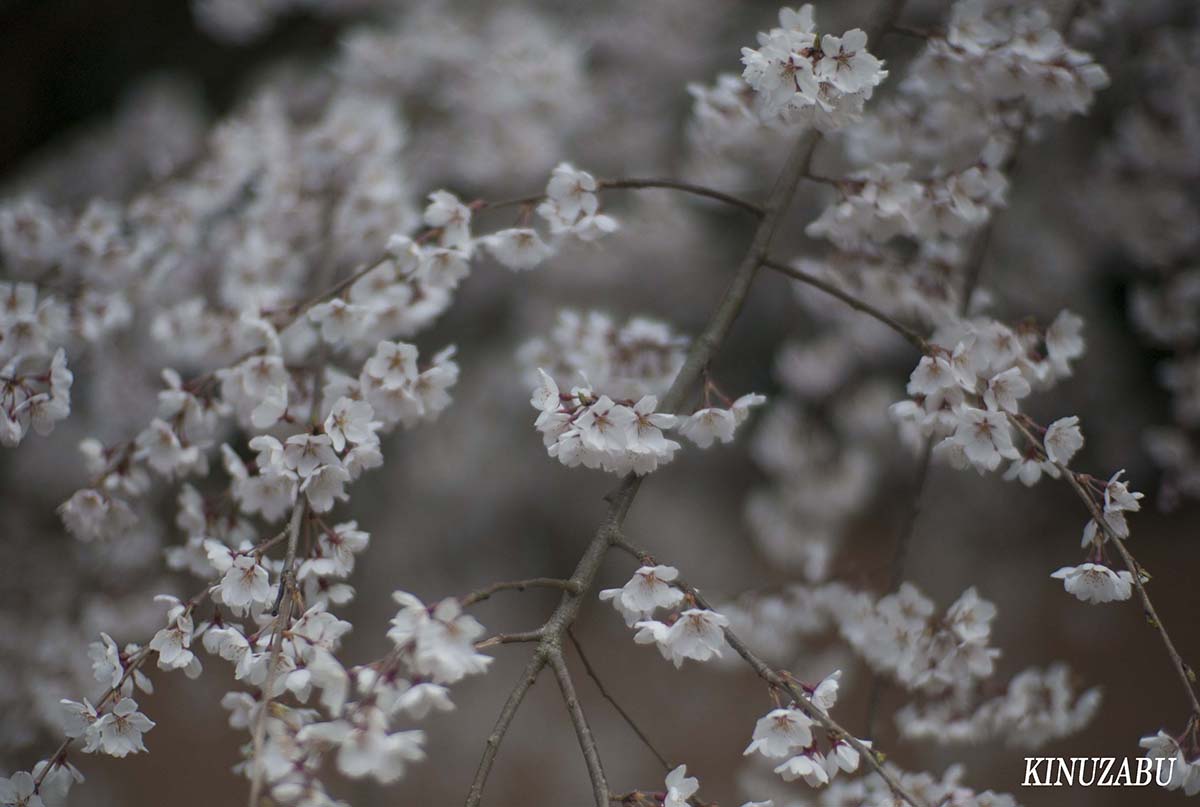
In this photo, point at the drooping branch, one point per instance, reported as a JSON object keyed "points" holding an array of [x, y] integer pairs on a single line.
{"points": [[1187, 675], [132, 665], [699, 356], [634, 183], [587, 743], [783, 682], [685, 187], [282, 619], [628, 718], [914, 338], [507, 713], [518, 585]]}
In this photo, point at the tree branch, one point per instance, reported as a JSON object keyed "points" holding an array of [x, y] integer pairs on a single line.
{"points": [[587, 665], [783, 682], [699, 355], [282, 619], [899, 556], [685, 187], [507, 713], [1182, 669], [518, 585], [621, 499], [914, 338], [639, 184], [510, 638], [587, 743]]}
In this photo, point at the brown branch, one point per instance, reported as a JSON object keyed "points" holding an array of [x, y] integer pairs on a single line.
{"points": [[685, 187], [1182, 669], [507, 713], [699, 355], [784, 683], [899, 556], [914, 338], [620, 500], [133, 664], [519, 585], [587, 665], [282, 619], [915, 32], [638, 184], [510, 638], [587, 743]]}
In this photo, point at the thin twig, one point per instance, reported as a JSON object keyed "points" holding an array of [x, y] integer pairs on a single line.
{"points": [[133, 664], [634, 183], [972, 274], [587, 665], [1182, 669], [519, 585], [587, 742], [511, 638], [915, 32], [621, 499], [685, 187], [899, 556], [507, 713], [282, 620], [699, 355], [908, 333], [784, 682]]}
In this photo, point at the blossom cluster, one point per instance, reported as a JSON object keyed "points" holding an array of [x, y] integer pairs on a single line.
{"points": [[942, 659], [1001, 52], [799, 77], [637, 357], [787, 734], [881, 202], [288, 268], [901, 635], [967, 389], [1038, 706], [582, 427], [687, 633], [872, 790], [35, 384]]}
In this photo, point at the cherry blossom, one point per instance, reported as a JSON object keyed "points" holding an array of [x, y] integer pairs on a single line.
{"points": [[1095, 582], [648, 590], [121, 729]]}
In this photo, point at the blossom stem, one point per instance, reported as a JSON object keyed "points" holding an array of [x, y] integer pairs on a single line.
{"points": [[587, 665]]}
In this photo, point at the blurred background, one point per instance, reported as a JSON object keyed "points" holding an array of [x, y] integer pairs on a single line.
{"points": [[106, 97]]}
